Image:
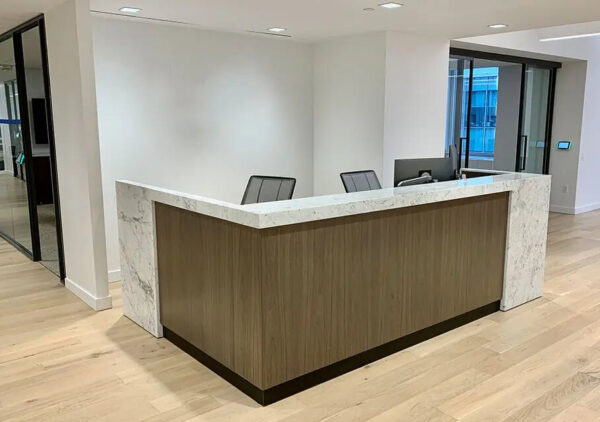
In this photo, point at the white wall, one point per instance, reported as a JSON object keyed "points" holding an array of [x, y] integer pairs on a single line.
{"points": [[349, 98], [378, 98], [576, 120], [200, 111], [415, 99], [71, 66], [568, 114], [181, 107], [588, 188]]}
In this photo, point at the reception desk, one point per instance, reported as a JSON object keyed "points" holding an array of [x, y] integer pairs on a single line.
{"points": [[280, 296]]}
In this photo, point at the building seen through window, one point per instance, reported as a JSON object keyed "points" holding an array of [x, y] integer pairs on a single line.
{"points": [[484, 109]]}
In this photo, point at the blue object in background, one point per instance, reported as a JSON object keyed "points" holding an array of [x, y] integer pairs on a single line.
{"points": [[10, 122], [564, 145]]}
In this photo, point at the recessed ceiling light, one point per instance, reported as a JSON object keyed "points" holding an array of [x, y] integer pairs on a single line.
{"points": [[498, 26], [368, 9], [130, 9], [390, 5], [278, 30], [571, 37]]}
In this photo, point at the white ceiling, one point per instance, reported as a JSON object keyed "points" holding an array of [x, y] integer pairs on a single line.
{"points": [[317, 19], [15, 12]]}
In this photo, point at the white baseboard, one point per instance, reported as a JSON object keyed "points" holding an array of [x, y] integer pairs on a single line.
{"points": [[114, 276], [96, 303], [574, 211], [561, 209], [587, 208]]}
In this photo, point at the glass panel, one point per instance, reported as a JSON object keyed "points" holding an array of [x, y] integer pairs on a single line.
{"points": [[537, 88], [484, 104], [41, 160], [14, 209], [458, 93], [495, 114]]}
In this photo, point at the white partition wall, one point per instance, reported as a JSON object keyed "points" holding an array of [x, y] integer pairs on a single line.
{"points": [[349, 92], [71, 66], [415, 99]]}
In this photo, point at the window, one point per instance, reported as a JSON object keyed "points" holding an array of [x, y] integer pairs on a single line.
{"points": [[484, 106]]}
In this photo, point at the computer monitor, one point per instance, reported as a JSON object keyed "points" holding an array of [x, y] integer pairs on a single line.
{"points": [[440, 169]]}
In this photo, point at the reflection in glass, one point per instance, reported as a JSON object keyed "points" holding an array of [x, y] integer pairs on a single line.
{"points": [[484, 105], [458, 78], [41, 160], [537, 83], [494, 113], [14, 208]]}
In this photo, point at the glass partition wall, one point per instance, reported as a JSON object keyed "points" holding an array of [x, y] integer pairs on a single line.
{"points": [[29, 205], [536, 98], [14, 198], [500, 111]]}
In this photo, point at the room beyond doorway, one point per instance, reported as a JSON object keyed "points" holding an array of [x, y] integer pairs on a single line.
{"points": [[500, 110]]}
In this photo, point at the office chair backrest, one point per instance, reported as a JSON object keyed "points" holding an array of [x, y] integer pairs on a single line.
{"points": [[359, 181], [268, 189]]}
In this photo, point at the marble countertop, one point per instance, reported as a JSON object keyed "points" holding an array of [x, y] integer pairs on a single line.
{"points": [[273, 214]]}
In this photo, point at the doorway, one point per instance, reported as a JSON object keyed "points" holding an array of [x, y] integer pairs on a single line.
{"points": [[500, 111], [29, 200]]}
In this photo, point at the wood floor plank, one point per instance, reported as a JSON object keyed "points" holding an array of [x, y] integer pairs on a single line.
{"points": [[420, 406], [576, 413]]}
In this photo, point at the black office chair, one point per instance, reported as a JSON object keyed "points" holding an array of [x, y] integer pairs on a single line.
{"points": [[268, 189], [359, 181]]}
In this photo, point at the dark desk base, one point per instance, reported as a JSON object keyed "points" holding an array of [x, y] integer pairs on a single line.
{"points": [[289, 388]]}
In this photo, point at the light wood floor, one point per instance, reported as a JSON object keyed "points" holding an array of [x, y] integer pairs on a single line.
{"points": [[539, 362], [14, 220]]}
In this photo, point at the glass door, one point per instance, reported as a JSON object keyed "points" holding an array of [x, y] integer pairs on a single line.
{"points": [[15, 221], [495, 114], [534, 134], [500, 111], [483, 116], [29, 198], [459, 103], [41, 156]]}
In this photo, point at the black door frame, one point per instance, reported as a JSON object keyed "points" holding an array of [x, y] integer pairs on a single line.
{"points": [[525, 63], [27, 147], [16, 35], [467, 137]]}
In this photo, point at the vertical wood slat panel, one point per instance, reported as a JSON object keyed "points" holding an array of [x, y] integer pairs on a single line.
{"points": [[278, 303], [386, 275], [209, 283]]}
